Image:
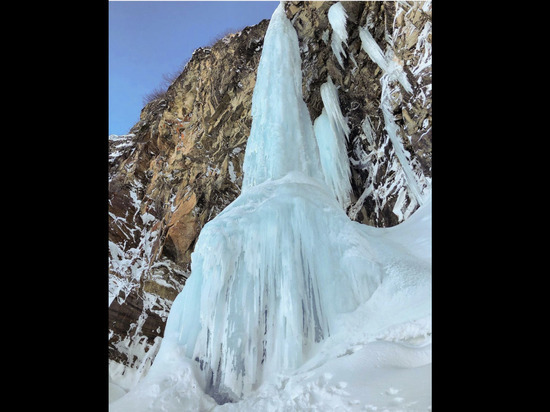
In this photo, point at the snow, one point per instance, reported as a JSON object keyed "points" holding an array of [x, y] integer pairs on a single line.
{"points": [[290, 305], [337, 18], [119, 142], [231, 170]]}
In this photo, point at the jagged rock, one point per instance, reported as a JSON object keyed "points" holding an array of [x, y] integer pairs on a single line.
{"points": [[181, 164], [396, 26]]}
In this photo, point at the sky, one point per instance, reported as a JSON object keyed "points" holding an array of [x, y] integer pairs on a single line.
{"points": [[149, 39]]}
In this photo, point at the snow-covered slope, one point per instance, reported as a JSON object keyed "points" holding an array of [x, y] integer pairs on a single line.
{"points": [[291, 305]]}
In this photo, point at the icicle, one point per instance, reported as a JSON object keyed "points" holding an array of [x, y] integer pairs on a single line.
{"points": [[388, 64], [392, 130], [337, 18], [366, 126], [329, 95], [331, 131]]}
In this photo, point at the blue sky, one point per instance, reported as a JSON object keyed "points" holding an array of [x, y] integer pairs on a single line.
{"points": [[148, 39]]}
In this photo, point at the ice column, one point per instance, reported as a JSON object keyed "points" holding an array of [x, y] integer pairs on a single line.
{"points": [[331, 131], [281, 137]]}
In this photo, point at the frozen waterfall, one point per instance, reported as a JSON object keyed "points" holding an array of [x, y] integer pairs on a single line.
{"points": [[270, 272], [273, 273]]}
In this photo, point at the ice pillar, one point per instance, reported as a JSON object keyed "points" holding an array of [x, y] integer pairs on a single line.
{"points": [[281, 138]]}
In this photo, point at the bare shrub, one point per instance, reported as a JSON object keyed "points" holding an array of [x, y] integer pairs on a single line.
{"points": [[223, 34], [168, 79], [157, 93]]}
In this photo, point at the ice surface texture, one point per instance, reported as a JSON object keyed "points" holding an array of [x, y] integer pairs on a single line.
{"points": [[331, 131], [281, 137], [269, 274]]}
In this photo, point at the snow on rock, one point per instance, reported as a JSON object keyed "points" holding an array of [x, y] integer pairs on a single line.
{"points": [[118, 143], [416, 186]]}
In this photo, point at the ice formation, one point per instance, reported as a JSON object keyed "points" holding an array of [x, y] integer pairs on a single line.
{"points": [[392, 130], [281, 140], [275, 274], [331, 131], [337, 18], [267, 273], [393, 71], [388, 63]]}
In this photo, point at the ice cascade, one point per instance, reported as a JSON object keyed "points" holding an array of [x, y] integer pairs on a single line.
{"points": [[272, 274], [268, 273]]}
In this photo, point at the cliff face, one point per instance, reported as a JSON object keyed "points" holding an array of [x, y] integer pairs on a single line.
{"points": [[181, 164], [384, 180]]}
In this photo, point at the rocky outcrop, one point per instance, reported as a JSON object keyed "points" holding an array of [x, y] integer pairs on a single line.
{"points": [[181, 164], [402, 31]]}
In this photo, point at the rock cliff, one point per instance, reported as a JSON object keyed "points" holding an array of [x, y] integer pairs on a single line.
{"points": [[181, 164]]}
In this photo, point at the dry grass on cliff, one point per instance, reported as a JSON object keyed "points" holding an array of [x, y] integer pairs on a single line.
{"points": [[159, 92]]}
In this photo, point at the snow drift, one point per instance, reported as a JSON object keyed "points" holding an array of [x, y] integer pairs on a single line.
{"points": [[291, 305]]}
